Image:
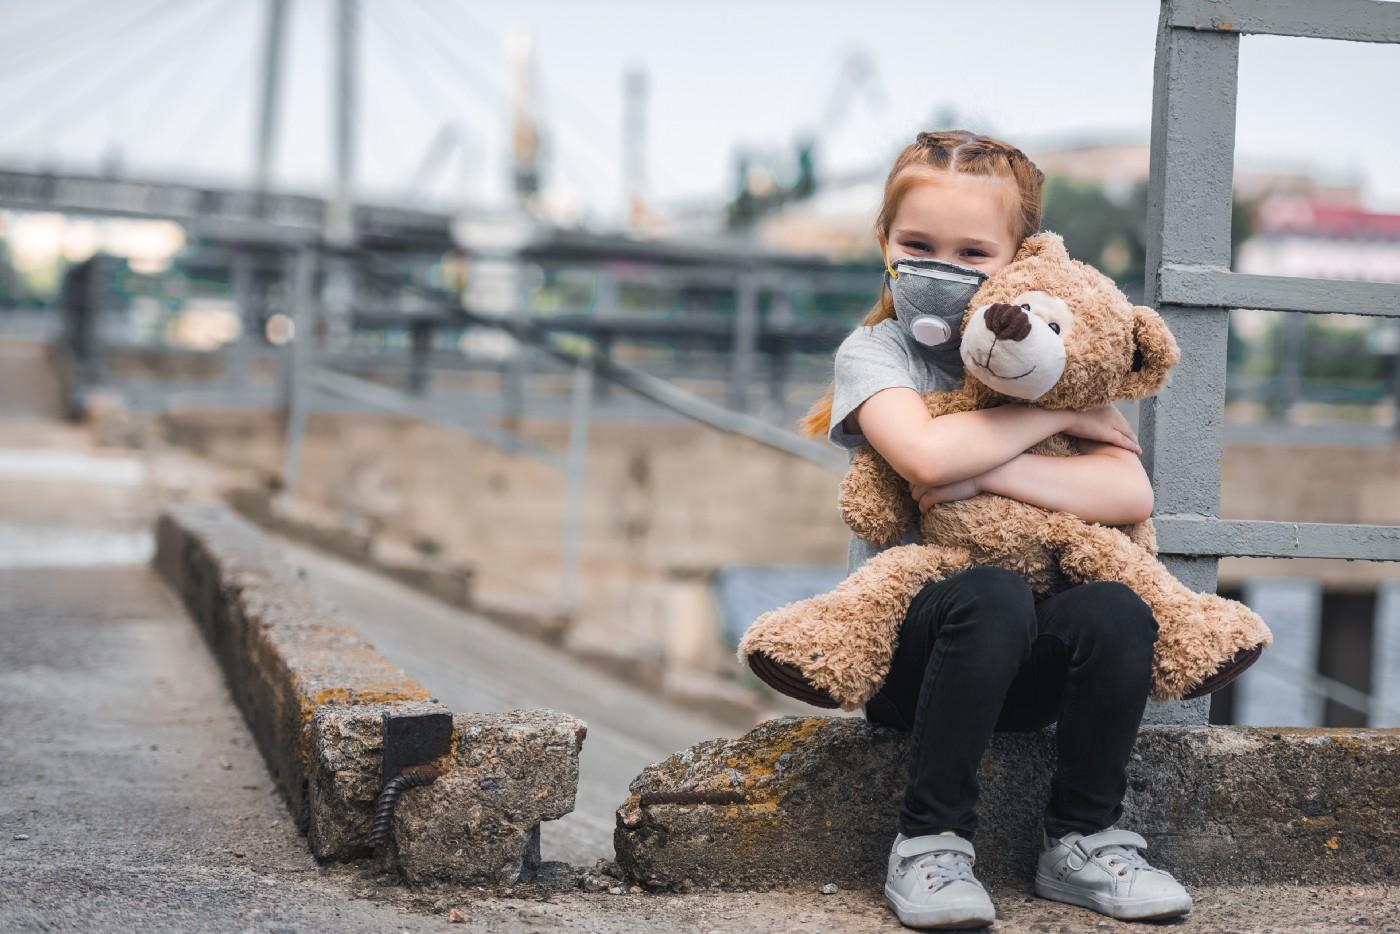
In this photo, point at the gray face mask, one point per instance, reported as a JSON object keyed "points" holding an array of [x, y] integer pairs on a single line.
{"points": [[930, 297]]}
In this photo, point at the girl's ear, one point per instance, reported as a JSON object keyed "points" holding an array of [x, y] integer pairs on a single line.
{"points": [[1045, 243], [1154, 353]]}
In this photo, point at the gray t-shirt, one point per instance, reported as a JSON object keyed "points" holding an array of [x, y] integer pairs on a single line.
{"points": [[879, 357]]}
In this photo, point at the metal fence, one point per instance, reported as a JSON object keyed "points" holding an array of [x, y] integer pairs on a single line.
{"points": [[1189, 281]]}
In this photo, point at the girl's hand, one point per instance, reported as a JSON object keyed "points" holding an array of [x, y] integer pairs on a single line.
{"points": [[1105, 424], [929, 496]]}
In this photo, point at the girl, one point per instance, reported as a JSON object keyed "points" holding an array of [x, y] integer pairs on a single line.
{"points": [[976, 651]]}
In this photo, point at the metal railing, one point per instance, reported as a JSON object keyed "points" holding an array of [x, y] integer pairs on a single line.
{"points": [[1190, 283]]}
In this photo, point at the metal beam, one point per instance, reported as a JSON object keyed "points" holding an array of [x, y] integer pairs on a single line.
{"points": [[1212, 287], [234, 213], [1354, 20], [1209, 536]]}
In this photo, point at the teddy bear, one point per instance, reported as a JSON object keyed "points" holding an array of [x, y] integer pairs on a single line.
{"points": [[1086, 345]]}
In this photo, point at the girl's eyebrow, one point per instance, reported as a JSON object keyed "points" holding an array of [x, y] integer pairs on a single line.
{"points": [[967, 241]]}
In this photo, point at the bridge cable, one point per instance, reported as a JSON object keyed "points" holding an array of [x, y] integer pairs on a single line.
{"points": [[102, 82]]}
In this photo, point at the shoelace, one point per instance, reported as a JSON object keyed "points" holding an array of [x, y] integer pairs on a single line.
{"points": [[940, 869], [1131, 858]]}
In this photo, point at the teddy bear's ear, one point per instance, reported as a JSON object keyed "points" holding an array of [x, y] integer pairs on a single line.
{"points": [[1044, 243], [1154, 353]]}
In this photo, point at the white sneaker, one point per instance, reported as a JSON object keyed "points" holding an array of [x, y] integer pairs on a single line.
{"points": [[930, 883], [1107, 872]]}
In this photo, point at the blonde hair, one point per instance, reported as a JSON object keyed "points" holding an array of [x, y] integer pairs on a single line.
{"points": [[947, 151]]}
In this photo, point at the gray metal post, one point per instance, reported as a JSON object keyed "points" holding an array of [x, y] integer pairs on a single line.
{"points": [[271, 83], [419, 357], [1189, 201], [301, 360], [1292, 357], [237, 358], [340, 285], [1385, 652], [1293, 609], [780, 314], [341, 226], [741, 363], [580, 412], [606, 302]]}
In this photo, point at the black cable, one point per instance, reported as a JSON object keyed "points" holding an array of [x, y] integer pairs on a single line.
{"points": [[388, 800]]}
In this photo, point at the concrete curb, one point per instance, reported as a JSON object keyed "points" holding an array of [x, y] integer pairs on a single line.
{"points": [[803, 801], [315, 695]]}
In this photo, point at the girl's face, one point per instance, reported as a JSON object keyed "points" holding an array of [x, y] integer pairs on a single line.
{"points": [[962, 219]]}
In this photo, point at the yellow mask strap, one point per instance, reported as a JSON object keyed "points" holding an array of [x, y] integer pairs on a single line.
{"points": [[888, 267]]}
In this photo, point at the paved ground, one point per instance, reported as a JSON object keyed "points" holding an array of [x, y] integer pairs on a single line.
{"points": [[132, 798]]}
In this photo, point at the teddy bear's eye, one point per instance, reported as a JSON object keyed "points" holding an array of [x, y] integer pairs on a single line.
{"points": [[1054, 327], [1025, 306]]}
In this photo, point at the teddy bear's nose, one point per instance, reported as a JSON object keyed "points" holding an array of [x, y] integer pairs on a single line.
{"points": [[1008, 322]]}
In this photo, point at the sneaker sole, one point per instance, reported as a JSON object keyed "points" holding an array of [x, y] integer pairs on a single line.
{"points": [[954, 917], [1145, 909]]}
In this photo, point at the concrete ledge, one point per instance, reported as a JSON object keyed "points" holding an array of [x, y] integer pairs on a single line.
{"points": [[479, 822], [283, 657], [315, 695], [809, 801]]}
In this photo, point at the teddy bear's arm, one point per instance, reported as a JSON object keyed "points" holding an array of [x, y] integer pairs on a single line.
{"points": [[1143, 535], [875, 501]]}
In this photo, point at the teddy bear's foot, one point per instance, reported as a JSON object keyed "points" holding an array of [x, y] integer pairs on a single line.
{"points": [[1226, 673], [786, 679], [1204, 642], [834, 649]]}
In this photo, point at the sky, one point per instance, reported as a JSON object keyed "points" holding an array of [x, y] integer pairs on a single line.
{"points": [[169, 88]]}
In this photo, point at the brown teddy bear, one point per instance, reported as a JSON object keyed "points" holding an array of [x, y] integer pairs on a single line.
{"points": [[1086, 345]]}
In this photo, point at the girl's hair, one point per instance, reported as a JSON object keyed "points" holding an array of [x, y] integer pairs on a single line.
{"points": [[947, 151]]}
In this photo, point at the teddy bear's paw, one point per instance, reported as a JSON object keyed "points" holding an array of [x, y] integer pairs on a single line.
{"points": [[788, 679], [825, 645], [1204, 645], [1228, 671]]}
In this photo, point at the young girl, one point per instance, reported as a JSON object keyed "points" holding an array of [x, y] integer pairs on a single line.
{"points": [[976, 651]]}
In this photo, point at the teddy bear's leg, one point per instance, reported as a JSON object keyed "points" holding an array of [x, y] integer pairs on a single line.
{"points": [[1203, 639], [841, 642]]}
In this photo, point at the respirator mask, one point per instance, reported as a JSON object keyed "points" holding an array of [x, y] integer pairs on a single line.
{"points": [[930, 297]]}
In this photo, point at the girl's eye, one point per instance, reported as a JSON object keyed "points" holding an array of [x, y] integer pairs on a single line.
{"points": [[974, 253], [916, 245]]}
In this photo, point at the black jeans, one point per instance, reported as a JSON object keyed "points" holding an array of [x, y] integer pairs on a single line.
{"points": [[977, 653]]}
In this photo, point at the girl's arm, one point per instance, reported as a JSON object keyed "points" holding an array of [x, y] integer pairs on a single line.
{"points": [[1105, 484], [959, 446]]}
